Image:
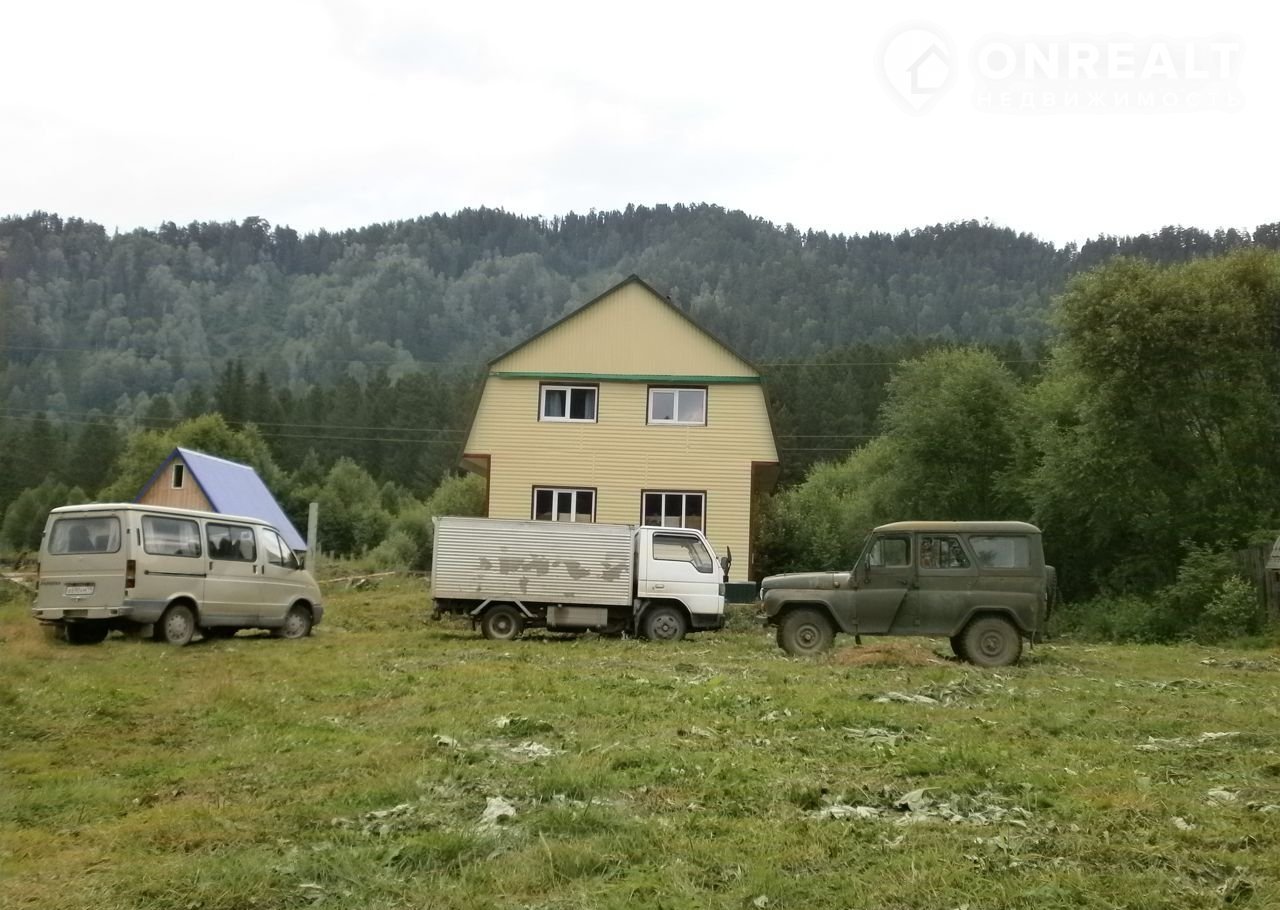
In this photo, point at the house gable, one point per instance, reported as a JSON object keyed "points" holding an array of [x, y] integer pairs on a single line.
{"points": [[628, 333]]}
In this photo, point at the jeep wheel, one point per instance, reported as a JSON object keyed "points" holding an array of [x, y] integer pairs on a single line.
{"points": [[664, 624], [804, 633], [957, 647], [992, 641], [502, 623]]}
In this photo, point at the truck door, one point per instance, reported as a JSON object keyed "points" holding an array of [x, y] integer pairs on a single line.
{"points": [[881, 581], [679, 566], [233, 590]]}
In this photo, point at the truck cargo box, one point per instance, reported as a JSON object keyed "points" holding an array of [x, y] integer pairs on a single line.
{"points": [[533, 561]]}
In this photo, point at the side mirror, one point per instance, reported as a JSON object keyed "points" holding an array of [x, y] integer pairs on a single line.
{"points": [[726, 561]]}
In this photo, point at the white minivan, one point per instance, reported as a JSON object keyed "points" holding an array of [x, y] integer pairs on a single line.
{"points": [[126, 566]]}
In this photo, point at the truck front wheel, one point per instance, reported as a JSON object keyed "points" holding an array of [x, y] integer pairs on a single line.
{"points": [[502, 623], [664, 624], [804, 633]]}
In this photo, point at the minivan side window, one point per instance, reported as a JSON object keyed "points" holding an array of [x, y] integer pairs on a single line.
{"points": [[1002, 552], [100, 534], [232, 542], [278, 553], [165, 536]]}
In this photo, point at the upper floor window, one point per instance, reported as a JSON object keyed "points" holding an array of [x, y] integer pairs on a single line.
{"points": [[561, 504], [684, 406], [568, 402], [179, 474]]}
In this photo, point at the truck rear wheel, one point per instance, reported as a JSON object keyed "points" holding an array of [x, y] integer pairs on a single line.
{"points": [[502, 623], [804, 633], [992, 641], [85, 633], [664, 624]]}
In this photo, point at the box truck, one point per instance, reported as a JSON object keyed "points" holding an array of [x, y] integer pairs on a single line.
{"points": [[509, 575]]}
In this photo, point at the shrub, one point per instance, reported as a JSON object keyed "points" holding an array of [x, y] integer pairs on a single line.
{"points": [[1234, 611]]}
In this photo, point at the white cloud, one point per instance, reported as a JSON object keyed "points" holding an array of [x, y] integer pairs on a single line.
{"points": [[342, 113]]}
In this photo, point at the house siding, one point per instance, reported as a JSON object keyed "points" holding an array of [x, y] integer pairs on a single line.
{"points": [[620, 455]]}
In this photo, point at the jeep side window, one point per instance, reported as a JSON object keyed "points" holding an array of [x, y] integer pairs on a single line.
{"points": [[939, 552], [889, 552], [1002, 552]]}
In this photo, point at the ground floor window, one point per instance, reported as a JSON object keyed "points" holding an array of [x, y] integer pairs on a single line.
{"points": [[675, 510], [564, 504]]}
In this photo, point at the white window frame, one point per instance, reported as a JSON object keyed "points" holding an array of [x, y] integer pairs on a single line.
{"points": [[678, 391], [684, 495], [568, 390], [575, 492]]}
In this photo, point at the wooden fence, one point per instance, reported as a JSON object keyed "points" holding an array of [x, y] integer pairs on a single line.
{"points": [[1253, 565]]}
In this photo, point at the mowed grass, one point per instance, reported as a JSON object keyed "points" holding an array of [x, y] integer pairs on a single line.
{"points": [[355, 768]]}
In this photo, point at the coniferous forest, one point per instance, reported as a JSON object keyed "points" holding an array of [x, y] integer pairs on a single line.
{"points": [[1123, 389]]}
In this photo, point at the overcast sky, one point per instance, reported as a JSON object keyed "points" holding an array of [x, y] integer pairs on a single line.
{"points": [[1064, 119]]}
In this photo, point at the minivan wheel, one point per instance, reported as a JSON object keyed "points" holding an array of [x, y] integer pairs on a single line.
{"points": [[502, 623], [297, 623], [664, 624], [85, 633], [804, 633], [176, 626], [992, 641]]}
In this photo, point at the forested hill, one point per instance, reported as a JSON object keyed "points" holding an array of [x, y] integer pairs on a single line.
{"points": [[91, 319]]}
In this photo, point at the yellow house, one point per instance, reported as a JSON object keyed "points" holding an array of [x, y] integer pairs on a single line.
{"points": [[626, 411]]}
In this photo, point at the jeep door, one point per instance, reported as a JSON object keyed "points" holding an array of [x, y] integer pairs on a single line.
{"points": [[880, 583], [946, 574]]}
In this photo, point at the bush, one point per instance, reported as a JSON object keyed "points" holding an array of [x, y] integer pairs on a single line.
{"points": [[1233, 612], [1122, 618]]}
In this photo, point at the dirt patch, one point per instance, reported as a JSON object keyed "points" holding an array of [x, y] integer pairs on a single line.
{"points": [[887, 654]]}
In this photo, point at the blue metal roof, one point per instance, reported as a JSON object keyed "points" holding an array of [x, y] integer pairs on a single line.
{"points": [[234, 489]]}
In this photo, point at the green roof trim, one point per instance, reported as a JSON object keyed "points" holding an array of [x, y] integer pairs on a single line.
{"points": [[630, 377]]}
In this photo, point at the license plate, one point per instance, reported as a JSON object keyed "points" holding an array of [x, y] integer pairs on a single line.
{"points": [[78, 590]]}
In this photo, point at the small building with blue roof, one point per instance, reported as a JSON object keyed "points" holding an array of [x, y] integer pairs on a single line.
{"points": [[193, 480]]}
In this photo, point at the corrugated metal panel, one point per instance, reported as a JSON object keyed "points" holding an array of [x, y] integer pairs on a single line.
{"points": [[630, 331], [533, 561]]}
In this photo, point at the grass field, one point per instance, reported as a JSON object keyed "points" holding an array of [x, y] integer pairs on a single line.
{"points": [[393, 762]]}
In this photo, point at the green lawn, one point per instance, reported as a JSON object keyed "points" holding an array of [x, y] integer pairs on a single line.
{"points": [[355, 768]]}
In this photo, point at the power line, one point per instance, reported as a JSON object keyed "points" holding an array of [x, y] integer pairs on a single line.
{"points": [[18, 414]]}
